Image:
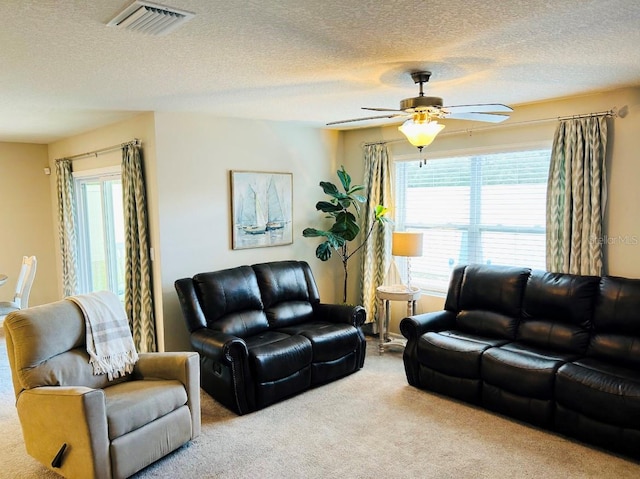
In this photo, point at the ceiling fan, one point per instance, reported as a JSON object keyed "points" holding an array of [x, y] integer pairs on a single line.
{"points": [[422, 113]]}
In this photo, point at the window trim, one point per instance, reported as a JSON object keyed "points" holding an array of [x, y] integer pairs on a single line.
{"points": [[473, 151], [97, 172]]}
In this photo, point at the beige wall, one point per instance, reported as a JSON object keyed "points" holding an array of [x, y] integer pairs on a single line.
{"points": [[26, 225], [141, 127], [187, 162], [622, 219], [195, 155], [188, 157]]}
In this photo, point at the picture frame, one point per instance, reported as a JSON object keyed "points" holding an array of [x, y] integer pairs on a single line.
{"points": [[261, 209]]}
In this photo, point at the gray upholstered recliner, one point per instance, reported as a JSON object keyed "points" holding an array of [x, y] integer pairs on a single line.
{"points": [[111, 429]]}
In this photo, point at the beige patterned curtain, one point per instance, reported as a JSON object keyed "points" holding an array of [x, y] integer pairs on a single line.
{"points": [[137, 293], [66, 227], [376, 253], [576, 195]]}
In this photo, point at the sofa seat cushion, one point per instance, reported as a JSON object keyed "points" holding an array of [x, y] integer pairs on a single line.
{"points": [[275, 355], [264, 338], [454, 353], [588, 384], [133, 404], [523, 370], [329, 341]]}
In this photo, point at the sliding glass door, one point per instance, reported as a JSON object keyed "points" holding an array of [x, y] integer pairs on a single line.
{"points": [[100, 232]]}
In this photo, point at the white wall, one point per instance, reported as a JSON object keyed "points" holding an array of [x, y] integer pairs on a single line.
{"points": [[26, 225], [622, 218], [195, 154]]}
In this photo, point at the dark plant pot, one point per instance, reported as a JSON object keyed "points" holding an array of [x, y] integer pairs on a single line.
{"points": [[369, 329]]}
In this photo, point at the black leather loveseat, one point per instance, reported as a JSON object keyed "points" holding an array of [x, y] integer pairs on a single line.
{"points": [[557, 350], [263, 334]]}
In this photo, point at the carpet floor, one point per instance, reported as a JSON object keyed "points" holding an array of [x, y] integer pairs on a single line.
{"points": [[371, 424]]}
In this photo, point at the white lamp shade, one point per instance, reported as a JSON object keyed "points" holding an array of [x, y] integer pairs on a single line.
{"points": [[420, 131], [406, 243]]}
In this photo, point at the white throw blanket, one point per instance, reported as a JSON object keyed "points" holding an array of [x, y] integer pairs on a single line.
{"points": [[109, 341]]}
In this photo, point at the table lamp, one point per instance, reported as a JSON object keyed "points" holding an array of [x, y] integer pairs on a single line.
{"points": [[408, 244]]}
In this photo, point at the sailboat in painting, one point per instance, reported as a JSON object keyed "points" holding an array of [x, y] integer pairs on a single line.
{"points": [[275, 215], [261, 208], [252, 219]]}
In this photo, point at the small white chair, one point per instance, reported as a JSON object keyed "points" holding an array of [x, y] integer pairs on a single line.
{"points": [[23, 287]]}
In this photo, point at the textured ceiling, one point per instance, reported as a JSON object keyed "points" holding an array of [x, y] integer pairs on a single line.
{"points": [[63, 71]]}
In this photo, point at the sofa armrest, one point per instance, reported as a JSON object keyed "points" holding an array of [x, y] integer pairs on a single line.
{"points": [[218, 346], [80, 422], [181, 366], [224, 368], [412, 327], [341, 313]]}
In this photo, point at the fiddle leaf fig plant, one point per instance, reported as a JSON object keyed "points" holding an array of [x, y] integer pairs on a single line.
{"points": [[344, 207]]}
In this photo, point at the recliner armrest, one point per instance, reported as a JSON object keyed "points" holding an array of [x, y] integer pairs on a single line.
{"points": [[54, 415], [412, 327], [341, 313], [171, 365], [181, 366]]}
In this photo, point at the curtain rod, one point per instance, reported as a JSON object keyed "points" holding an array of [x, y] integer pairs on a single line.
{"points": [[613, 112], [108, 149]]}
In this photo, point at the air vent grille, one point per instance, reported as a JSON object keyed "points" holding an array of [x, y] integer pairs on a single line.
{"points": [[150, 18]]}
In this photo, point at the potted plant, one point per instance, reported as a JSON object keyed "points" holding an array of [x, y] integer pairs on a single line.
{"points": [[344, 208]]}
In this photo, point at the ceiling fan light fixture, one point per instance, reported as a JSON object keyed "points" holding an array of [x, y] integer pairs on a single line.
{"points": [[420, 130]]}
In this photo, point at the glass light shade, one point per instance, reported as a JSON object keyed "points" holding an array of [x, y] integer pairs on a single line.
{"points": [[420, 130], [406, 243]]}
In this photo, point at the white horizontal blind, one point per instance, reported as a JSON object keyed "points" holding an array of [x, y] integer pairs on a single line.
{"points": [[487, 209]]}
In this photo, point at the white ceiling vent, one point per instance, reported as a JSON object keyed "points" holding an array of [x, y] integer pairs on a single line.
{"points": [[150, 18]]}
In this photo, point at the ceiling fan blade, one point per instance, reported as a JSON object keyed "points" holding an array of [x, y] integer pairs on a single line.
{"points": [[365, 118], [480, 108], [475, 116], [380, 109]]}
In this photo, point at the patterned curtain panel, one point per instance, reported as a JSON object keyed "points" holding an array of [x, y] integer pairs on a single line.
{"points": [[376, 253], [66, 227], [138, 295], [576, 195]]}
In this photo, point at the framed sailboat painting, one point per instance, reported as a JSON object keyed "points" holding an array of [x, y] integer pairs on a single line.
{"points": [[261, 209]]}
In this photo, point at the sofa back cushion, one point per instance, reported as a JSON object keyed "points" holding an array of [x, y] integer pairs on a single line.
{"points": [[230, 300], [47, 347], [616, 322], [490, 299], [557, 311], [288, 291], [452, 300]]}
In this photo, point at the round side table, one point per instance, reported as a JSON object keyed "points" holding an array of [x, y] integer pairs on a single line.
{"points": [[384, 294]]}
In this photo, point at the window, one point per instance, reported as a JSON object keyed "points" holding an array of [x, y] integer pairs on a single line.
{"points": [[100, 231], [486, 209]]}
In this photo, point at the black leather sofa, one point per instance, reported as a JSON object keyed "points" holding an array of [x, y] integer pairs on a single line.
{"points": [[263, 334], [557, 350]]}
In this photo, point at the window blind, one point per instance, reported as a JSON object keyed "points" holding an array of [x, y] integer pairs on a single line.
{"points": [[487, 209]]}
